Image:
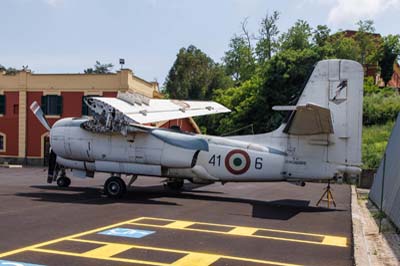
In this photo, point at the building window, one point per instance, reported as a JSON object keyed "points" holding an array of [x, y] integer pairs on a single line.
{"points": [[85, 108], [2, 142], [52, 104], [2, 104]]}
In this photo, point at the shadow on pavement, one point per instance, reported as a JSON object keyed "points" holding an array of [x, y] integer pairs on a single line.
{"points": [[283, 209]]}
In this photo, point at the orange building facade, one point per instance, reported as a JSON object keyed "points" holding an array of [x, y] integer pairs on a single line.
{"points": [[24, 140]]}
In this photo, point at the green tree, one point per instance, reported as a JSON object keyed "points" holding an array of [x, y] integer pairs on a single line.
{"points": [[285, 77], [241, 100], [194, 76], [99, 69], [297, 37], [321, 35], [8, 70], [267, 42], [279, 82], [344, 47], [390, 51], [321, 42], [367, 41], [239, 60]]}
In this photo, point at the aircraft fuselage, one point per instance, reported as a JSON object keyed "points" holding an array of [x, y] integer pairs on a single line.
{"points": [[226, 160]]}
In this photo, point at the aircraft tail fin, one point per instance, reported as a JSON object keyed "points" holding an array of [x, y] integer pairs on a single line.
{"points": [[335, 90]]}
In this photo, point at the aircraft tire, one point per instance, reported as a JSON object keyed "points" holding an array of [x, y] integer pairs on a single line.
{"points": [[114, 187], [63, 182]]}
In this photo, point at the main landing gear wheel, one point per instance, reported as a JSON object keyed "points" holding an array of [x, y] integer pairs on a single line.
{"points": [[175, 185], [114, 187], [63, 182]]}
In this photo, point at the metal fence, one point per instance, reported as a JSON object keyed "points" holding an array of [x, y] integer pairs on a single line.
{"points": [[385, 191]]}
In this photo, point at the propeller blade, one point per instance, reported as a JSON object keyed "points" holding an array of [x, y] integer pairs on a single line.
{"points": [[35, 107]]}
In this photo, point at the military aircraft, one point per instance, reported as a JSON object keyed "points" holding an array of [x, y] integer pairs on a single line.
{"points": [[321, 139]]}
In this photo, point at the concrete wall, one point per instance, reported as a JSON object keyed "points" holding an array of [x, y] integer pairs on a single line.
{"points": [[391, 173]]}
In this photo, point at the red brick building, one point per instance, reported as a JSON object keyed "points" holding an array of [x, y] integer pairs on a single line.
{"points": [[24, 140]]}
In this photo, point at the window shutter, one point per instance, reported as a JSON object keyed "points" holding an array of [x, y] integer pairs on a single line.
{"points": [[2, 104], [84, 108], [44, 104], [59, 105]]}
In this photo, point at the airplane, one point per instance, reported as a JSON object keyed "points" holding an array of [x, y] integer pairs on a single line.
{"points": [[320, 140]]}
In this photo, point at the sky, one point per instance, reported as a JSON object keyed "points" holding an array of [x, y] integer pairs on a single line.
{"points": [[67, 36]]}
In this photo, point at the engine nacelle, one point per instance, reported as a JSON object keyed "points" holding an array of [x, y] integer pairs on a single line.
{"points": [[69, 141], [111, 167]]}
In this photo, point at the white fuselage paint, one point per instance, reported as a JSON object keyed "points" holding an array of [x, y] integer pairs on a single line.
{"points": [[142, 153]]}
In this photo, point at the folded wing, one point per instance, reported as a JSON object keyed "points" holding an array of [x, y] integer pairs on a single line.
{"points": [[138, 109]]}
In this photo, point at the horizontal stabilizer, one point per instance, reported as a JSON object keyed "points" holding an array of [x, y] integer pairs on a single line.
{"points": [[284, 107], [309, 119]]}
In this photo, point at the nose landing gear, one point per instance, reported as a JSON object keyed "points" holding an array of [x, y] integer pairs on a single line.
{"points": [[63, 180]]}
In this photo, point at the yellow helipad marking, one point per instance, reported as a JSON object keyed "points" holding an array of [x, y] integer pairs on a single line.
{"points": [[243, 231], [107, 251], [15, 251], [246, 231], [178, 224], [335, 241], [65, 253], [196, 259], [186, 252]]}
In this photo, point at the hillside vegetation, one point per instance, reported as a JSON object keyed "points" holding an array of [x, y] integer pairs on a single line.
{"points": [[381, 107], [269, 67]]}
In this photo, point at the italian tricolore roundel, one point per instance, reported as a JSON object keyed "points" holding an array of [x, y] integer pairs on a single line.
{"points": [[237, 162]]}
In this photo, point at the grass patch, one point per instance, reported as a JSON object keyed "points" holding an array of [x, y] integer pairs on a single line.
{"points": [[374, 142]]}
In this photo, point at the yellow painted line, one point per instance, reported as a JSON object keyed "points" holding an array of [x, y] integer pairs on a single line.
{"points": [[255, 236], [196, 259], [335, 241], [178, 225], [131, 246], [229, 225], [267, 262], [64, 253], [243, 231], [15, 251], [247, 231], [107, 251]]}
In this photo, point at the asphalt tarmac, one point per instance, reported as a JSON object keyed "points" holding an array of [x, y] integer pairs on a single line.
{"points": [[232, 224]]}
